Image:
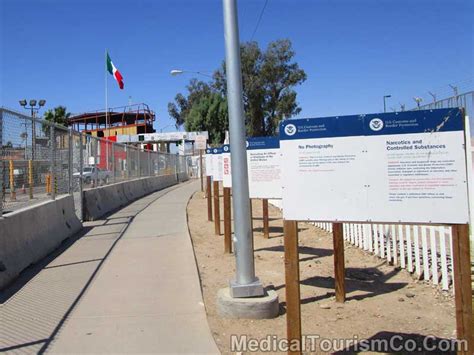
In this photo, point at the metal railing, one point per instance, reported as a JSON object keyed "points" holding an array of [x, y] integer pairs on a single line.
{"points": [[40, 160], [464, 100]]}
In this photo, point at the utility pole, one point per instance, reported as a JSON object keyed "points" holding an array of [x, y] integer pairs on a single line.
{"points": [[246, 284]]}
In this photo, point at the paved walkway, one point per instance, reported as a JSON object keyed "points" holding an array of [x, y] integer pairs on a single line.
{"points": [[130, 285]]}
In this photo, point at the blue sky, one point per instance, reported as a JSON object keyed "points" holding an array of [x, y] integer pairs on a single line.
{"points": [[354, 52]]}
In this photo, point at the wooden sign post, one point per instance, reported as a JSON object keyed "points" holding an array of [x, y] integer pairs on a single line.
{"points": [[217, 212], [292, 285], [209, 198], [227, 222], [266, 224], [463, 286], [201, 169], [339, 267]]}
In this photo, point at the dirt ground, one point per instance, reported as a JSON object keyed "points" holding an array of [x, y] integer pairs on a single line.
{"points": [[381, 300]]}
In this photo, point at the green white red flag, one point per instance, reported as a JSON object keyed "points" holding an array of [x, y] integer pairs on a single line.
{"points": [[114, 72]]}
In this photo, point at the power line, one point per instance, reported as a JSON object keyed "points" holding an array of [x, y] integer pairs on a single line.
{"points": [[259, 19]]}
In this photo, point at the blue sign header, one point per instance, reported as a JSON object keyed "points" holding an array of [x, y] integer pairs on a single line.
{"points": [[263, 143], [423, 121], [217, 150], [226, 148]]}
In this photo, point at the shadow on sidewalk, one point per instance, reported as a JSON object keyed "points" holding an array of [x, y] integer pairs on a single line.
{"points": [[55, 297]]}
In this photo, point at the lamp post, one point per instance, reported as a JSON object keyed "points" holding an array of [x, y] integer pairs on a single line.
{"points": [[246, 284], [175, 72], [418, 101], [384, 103], [34, 107]]}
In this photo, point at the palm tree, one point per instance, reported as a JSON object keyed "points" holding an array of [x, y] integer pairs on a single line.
{"points": [[58, 115]]}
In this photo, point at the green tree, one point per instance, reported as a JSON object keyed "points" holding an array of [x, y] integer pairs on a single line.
{"points": [[269, 78], [179, 110], [58, 115], [209, 114]]}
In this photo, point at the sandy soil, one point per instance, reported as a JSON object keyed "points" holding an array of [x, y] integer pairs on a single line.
{"points": [[381, 300]]}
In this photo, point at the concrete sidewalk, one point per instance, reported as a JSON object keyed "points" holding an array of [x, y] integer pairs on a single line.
{"points": [[146, 298]]}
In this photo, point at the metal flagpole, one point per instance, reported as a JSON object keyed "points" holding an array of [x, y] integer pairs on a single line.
{"points": [[106, 115]]}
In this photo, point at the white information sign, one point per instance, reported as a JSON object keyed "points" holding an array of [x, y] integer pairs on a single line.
{"points": [[394, 167], [200, 142], [263, 161], [208, 162], [226, 166], [217, 164]]}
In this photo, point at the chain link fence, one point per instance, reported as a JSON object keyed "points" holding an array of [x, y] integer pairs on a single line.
{"points": [[40, 161]]}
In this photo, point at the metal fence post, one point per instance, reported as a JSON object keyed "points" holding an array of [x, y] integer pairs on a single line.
{"points": [[70, 162], [113, 162], [52, 138], [176, 162], [127, 161], [149, 163], [81, 169], [139, 172], [96, 153], [2, 166]]}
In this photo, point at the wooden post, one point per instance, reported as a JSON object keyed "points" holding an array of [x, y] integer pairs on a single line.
{"points": [[217, 212], [227, 222], [30, 177], [339, 267], [292, 285], [209, 198], [463, 287], [200, 168], [266, 224]]}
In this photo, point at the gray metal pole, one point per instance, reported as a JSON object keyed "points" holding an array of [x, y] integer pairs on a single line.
{"points": [[70, 162], [112, 168], [33, 134], [139, 173], [81, 169], [246, 284], [96, 156], [52, 139], [149, 163], [2, 164]]}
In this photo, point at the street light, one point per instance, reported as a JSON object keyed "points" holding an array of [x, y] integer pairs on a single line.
{"points": [[418, 101], [175, 72], [34, 110], [384, 104]]}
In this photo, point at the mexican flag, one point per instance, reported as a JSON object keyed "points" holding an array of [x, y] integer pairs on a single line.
{"points": [[114, 71]]}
